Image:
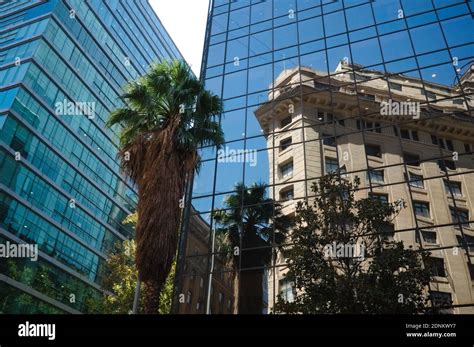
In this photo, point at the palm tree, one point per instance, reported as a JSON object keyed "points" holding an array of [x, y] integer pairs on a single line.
{"points": [[168, 115], [253, 223]]}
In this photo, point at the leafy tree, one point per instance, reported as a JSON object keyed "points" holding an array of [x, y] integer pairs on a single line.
{"points": [[253, 223], [122, 279], [168, 115], [43, 282], [384, 278]]}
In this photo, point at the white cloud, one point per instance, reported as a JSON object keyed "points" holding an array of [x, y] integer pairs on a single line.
{"points": [[185, 21]]}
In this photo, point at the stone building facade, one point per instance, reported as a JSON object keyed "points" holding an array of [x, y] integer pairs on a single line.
{"points": [[411, 141]]}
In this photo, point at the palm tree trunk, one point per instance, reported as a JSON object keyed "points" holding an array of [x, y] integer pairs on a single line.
{"points": [[160, 189], [157, 231], [236, 291], [152, 296], [251, 292], [251, 280]]}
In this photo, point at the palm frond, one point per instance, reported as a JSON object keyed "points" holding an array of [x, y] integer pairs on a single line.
{"points": [[122, 115]]}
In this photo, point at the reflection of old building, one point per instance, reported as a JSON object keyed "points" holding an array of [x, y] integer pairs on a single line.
{"points": [[313, 123], [197, 274]]}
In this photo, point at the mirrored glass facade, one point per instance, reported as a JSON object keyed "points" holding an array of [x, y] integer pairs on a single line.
{"points": [[382, 90], [62, 67]]}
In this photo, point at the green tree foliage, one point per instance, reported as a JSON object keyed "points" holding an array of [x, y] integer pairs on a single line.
{"points": [[388, 278], [122, 278]]}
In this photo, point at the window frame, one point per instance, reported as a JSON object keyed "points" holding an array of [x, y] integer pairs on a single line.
{"points": [[373, 146], [425, 208], [285, 172]]}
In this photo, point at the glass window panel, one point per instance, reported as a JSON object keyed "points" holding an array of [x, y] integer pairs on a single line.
{"points": [[422, 45], [311, 29], [234, 84], [260, 43], [359, 17], [261, 12], [239, 18], [366, 53], [334, 23], [396, 46], [454, 36], [285, 36], [260, 78]]}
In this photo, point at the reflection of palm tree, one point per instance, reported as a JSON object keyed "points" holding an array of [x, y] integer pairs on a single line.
{"points": [[253, 223]]}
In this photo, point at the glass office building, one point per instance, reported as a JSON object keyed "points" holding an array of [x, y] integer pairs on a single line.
{"points": [[62, 66], [304, 83]]}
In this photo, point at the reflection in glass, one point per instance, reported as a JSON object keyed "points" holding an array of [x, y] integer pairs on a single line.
{"points": [[379, 90]]}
